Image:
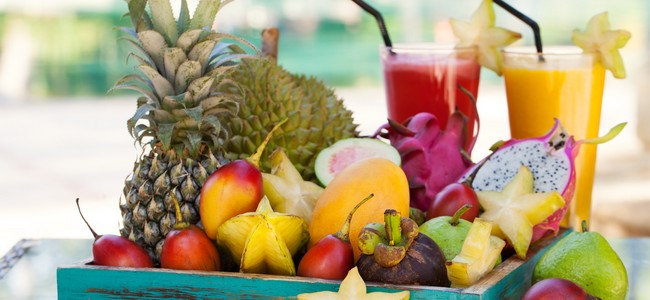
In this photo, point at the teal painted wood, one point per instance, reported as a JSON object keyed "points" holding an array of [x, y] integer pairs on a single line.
{"points": [[92, 282], [518, 273], [83, 281]]}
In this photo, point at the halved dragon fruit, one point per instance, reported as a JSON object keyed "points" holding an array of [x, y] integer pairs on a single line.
{"points": [[551, 160], [432, 158]]}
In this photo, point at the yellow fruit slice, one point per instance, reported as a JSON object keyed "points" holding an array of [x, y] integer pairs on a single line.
{"points": [[264, 241], [378, 176], [599, 38], [265, 253], [292, 230], [477, 257], [516, 209], [480, 31], [286, 190], [353, 287]]}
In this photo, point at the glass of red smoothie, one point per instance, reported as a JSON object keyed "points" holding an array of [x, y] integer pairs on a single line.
{"points": [[425, 78]]}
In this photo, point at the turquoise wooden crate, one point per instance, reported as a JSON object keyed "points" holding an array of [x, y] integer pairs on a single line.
{"points": [[86, 281]]}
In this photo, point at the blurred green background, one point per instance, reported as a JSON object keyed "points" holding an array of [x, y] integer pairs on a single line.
{"points": [[65, 48]]}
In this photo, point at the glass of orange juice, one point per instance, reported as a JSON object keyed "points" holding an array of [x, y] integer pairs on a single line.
{"points": [[567, 84]]}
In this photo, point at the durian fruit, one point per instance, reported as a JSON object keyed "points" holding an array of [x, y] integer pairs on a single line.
{"points": [[268, 94], [197, 109]]}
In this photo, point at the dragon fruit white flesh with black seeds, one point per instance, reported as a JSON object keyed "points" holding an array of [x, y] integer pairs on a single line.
{"points": [[551, 160]]}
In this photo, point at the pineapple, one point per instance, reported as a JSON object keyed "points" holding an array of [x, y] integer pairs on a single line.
{"points": [[207, 98]]}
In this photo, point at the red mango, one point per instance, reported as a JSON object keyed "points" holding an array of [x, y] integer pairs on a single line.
{"points": [[233, 189]]}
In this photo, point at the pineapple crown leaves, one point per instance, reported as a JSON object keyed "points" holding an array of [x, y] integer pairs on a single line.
{"points": [[162, 17], [180, 66]]}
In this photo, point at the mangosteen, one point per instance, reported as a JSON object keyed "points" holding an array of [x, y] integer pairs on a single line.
{"points": [[397, 253]]}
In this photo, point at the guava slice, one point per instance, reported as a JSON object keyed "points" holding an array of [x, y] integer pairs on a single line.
{"points": [[331, 160]]}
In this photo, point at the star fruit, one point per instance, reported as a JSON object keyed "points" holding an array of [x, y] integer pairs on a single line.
{"points": [[264, 241], [353, 287], [286, 190], [480, 31], [599, 38], [516, 209], [477, 257]]}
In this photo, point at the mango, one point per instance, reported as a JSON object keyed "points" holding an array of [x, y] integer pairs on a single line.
{"points": [[378, 176]]}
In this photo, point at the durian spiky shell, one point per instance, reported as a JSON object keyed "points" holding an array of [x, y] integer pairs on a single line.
{"points": [[268, 93]]}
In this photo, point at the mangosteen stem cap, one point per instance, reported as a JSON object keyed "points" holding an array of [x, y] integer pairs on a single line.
{"points": [[393, 221], [400, 234]]}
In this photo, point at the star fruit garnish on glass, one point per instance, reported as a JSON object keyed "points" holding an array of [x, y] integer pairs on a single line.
{"points": [[481, 32], [599, 38], [353, 287]]}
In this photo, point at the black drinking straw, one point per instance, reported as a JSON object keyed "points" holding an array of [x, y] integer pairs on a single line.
{"points": [[379, 18], [527, 20]]}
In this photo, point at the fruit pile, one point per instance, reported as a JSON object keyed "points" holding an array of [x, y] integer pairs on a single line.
{"points": [[249, 168]]}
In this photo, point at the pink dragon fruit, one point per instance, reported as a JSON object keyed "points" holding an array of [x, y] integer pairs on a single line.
{"points": [[551, 160], [432, 158]]}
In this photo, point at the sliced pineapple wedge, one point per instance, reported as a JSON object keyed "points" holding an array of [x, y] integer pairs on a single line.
{"points": [[477, 257], [516, 209], [480, 31], [599, 38], [286, 190], [353, 287], [264, 241]]}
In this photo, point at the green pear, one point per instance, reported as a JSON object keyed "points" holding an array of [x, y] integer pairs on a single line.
{"points": [[448, 232], [587, 259]]}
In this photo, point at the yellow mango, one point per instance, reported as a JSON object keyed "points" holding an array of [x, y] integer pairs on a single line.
{"points": [[377, 176]]}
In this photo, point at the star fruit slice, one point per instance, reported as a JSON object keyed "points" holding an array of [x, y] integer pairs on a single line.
{"points": [[287, 191], [264, 241], [480, 31], [599, 38], [516, 209], [477, 257], [353, 287]]}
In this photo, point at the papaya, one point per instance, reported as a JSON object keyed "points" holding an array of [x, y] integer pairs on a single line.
{"points": [[378, 176]]}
